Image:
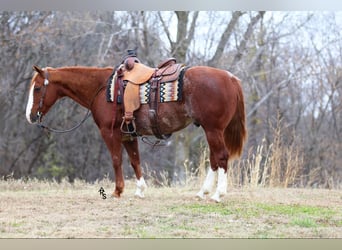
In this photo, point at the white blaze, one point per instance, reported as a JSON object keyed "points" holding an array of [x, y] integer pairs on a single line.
{"points": [[29, 104]]}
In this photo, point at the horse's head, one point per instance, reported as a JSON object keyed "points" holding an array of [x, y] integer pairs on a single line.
{"points": [[42, 96]]}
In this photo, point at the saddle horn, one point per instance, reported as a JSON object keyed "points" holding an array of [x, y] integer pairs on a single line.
{"points": [[131, 58]]}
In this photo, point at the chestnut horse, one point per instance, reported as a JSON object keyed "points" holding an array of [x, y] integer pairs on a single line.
{"points": [[212, 98]]}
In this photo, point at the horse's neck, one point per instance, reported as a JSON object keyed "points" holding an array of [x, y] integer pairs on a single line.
{"points": [[80, 83]]}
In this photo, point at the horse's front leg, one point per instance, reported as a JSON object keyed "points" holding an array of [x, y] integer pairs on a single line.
{"points": [[117, 166], [132, 149], [113, 142]]}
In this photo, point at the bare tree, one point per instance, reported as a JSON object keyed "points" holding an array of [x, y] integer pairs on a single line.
{"points": [[185, 35]]}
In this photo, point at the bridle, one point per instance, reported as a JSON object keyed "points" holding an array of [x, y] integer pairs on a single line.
{"points": [[41, 103]]}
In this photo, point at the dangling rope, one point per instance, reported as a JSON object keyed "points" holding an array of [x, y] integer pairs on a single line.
{"points": [[156, 143], [87, 115], [46, 128]]}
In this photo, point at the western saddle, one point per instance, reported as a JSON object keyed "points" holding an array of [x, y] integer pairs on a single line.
{"points": [[133, 73]]}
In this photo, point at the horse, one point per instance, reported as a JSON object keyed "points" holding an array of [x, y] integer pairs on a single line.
{"points": [[212, 98]]}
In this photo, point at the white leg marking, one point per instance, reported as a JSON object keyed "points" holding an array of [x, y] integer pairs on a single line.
{"points": [[221, 185], [29, 104], [141, 187], [208, 184]]}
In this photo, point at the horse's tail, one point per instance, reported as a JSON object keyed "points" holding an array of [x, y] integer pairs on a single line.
{"points": [[236, 132]]}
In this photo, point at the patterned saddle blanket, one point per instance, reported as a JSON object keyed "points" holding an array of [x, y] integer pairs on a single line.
{"points": [[168, 91]]}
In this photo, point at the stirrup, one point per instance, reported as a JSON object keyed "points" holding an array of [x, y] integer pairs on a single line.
{"points": [[130, 127]]}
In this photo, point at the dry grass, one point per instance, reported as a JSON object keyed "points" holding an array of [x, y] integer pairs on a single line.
{"points": [[279, 163], [36, 209]]}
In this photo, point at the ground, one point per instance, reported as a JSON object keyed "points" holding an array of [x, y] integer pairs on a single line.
{"points": [[41, 209]]}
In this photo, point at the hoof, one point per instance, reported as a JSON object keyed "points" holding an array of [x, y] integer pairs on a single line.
{"points": [[200, 195], [116, 195], [216, 198], [139, 194]]}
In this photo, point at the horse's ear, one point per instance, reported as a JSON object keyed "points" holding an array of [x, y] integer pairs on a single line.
{"points": [[38, 70]]}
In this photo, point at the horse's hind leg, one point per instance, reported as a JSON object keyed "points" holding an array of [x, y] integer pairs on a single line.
{"points": [[208, 184], [221, 185], [133, 154], [218, 161]]}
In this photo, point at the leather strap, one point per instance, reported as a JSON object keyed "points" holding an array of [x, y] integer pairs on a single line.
{"points": [[153, 112]]}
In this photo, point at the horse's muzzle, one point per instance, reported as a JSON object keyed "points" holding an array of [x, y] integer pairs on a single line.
{"points": [[35, 118]]}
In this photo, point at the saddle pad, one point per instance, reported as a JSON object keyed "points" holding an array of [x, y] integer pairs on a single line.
{"points": [[110, 87], [169, 91]]}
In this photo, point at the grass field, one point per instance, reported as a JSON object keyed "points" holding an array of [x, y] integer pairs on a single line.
{"points": [[38, 209]]}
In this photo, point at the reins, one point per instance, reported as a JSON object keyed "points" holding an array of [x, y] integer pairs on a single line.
{"points": [[58, 131]]}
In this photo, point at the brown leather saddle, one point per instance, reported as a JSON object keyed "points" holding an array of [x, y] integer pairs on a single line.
{"points": [[134, 74], [138, 73]]}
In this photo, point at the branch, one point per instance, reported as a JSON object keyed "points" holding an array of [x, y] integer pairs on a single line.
{"points": [[265, 97], [224, 38], [166, 30], [246, 36], [192, 27]]}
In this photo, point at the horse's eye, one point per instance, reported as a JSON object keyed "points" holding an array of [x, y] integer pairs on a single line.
{"points": [[37, 89]]}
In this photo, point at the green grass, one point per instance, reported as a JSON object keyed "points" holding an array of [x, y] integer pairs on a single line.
{"points": [[304, 222], [17, 224], [302, 216], [248, 210], [296, 209]]}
